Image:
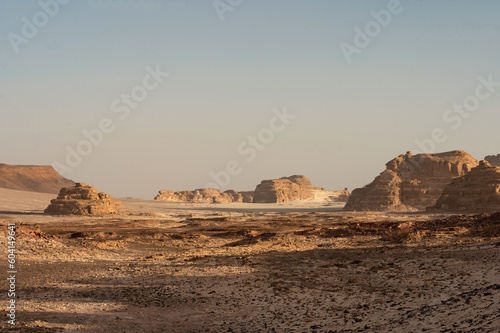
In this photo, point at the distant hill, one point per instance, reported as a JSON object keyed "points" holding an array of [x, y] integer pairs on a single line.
{"points": [[493, 159], [33, 178]]}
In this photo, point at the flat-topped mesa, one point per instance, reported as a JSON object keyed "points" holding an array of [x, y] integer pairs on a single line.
{"points": [[33, 178], [476, 192], [494, 160], [205, 195], [83, 200], [411, 182], [291, 188]]}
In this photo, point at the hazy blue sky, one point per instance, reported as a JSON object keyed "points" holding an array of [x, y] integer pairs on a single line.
{"points": [[226, 77]]}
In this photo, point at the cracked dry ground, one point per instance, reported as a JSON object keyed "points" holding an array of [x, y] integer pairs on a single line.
{"points": [[258, 272]]}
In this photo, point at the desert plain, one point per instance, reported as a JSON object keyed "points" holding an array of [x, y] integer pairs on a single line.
{"points": [[299, 266], [232, 166]]}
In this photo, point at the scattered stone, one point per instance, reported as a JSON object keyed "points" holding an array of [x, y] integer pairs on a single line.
{"points": [[411, 182], [83, 199]]}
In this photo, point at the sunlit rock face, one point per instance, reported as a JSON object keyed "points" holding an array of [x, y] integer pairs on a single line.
{"points": [[411, 182]]}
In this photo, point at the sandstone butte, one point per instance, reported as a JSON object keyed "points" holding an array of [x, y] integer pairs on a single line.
{"points": [[83, 199], [296, 187], [494, 160], [411, 182], [205, 195], [476, 192], [33, 178]]}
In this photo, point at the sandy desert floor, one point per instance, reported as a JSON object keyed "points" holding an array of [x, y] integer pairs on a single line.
{"points": [[163, 267]]}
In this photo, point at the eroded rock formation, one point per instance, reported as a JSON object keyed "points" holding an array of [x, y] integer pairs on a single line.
{"points": [[477, 191], [333, 196], [494, 160], [411, 182], [83, 200], [33, 178], [205, 195], [284, 189]]}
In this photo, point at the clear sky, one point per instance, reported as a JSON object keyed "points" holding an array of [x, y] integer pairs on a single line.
{"points": [[225, 78]]}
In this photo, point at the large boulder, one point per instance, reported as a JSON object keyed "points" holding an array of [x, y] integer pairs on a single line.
{"points": [[494, 160], [33, 178], [477, 192], [83, 200], [411, 182], [284, 189], [204, 195]]}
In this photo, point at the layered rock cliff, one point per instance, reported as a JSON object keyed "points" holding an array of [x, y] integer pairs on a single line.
{"points": [[411, 182], [83, 200], [295, 187], [478, 191]]}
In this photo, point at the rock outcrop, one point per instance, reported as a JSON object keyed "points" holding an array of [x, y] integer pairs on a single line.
{"points": [[241, 196], [284, 189], [476, 192], [334, 196], [83, 200], [33, 178], [330, 198], [247, 196], [494, 160], [411, 182], [205, 195]]}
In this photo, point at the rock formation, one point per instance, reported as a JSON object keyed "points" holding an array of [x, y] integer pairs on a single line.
{"points": [[33, 178], [329, 198], [494, 160], [205, 195], [411, 182], [333, 196], [478, 191], [83, 200], [283, 189], [242, 196], [247, 196]]}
